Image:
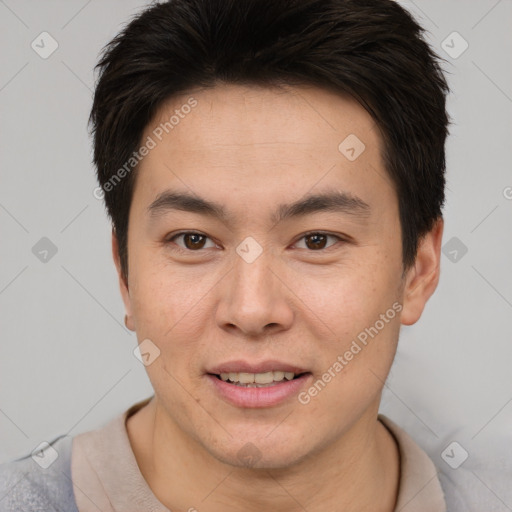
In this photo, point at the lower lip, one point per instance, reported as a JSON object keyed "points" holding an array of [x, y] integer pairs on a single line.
{"points": [[258, 397]]}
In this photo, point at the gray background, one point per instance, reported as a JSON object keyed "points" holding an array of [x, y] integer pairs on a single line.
{"points": [[67, 362]]}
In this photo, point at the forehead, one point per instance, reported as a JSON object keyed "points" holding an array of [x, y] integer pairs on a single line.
{"points": [[263, 115], [247, 141]]}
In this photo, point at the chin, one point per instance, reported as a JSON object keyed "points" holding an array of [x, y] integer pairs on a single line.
{"points": [[249, 453], [252, 459]]}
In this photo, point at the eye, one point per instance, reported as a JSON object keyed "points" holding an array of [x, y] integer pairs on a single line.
{"points": [[193, 241], [316, 241]]}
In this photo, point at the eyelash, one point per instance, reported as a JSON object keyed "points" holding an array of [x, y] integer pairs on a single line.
{"points": [[183, 250]]}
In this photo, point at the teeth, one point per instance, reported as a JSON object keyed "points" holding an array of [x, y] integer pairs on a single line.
{"points": [[253, 379], [246, 378], [280, 375], [264, 378]]}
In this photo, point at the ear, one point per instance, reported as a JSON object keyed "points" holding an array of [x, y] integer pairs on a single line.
{"points": [[123, 284], [422, 278]]}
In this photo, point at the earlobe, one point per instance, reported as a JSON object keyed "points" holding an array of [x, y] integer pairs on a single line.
{"points": [[123, 284], [423, 277]]}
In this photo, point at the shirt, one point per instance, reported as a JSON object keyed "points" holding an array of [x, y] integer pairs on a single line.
{"points": [[97, 470]]}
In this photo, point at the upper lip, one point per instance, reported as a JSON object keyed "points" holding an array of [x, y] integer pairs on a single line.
{"points": [[241, 366]]}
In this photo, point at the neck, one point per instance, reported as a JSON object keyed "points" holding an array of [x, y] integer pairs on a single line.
{"points": [[358, 471]]}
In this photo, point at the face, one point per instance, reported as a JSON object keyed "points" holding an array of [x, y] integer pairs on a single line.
{"points": [[294, 265]]}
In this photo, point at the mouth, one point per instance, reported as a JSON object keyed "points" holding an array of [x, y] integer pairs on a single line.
{"points": [[258, 380], [255, 386]]}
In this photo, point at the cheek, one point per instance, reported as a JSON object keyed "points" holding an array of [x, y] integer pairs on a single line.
{"points": [[359, 312], [354, 369], [153, 302], [170, 309], [162, 294], [350, 297]]}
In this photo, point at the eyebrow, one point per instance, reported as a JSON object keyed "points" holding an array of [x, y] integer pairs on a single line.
{"points": [[339, 202]]}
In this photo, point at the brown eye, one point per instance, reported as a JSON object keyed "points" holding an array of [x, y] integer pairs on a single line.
{"points": [[194, 241], [317, 241], [191, 241]]}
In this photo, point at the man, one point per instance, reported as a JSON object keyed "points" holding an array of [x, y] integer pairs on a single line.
{"points": [[274, 172]]}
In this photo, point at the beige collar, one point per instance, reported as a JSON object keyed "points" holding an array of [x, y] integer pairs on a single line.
{"points": [[420, 489]]}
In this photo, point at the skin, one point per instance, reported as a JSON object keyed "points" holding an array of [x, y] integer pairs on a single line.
{"points": [[250, 149]]}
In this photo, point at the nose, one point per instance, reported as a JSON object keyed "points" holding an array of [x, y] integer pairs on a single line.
{"points": [[255, 299]]}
